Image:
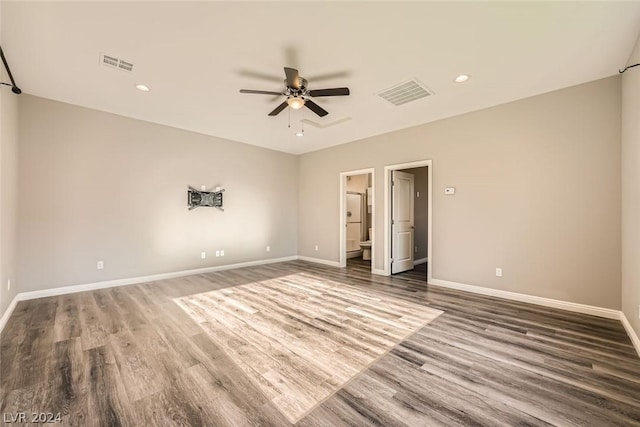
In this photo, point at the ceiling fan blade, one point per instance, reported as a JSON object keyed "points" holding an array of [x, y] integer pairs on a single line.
{"points": [[259, 75], [292, 77], [260, 92], [315, 108], [338, 91], [329, 76], [278, 109]]}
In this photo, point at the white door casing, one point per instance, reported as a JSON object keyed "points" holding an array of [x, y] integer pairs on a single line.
{"points": [[402, 221]]}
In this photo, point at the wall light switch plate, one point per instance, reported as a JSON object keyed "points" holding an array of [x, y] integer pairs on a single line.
{"points": [[222, 252], [268, 248], [217, 253], [100, 265], [499, 272], [450, 190], [316, 247], [203, 255]]}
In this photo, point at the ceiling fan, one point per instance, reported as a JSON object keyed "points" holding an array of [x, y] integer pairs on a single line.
{"points": [[298, 94]]}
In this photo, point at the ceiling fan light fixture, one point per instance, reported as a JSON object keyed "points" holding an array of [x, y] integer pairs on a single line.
{"points": [[295, 102], [297, 95]]}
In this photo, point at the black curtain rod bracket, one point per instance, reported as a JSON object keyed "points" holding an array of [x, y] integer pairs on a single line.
{"points": [[14, 87], [626, 68]]}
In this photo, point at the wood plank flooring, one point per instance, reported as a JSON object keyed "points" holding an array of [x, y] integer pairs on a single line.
{"points": [[300, 337], [132, 356]]}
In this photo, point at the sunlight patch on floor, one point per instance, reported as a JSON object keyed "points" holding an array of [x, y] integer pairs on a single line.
{"points": [[301, 338]]}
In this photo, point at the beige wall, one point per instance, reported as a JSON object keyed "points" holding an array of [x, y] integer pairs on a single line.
{"points": [[631, 191], [96, 186], [420, 210], [8, 189], [537, 193]]}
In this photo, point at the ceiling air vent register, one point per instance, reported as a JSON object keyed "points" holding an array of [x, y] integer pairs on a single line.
{"points": [[405, 92], [113, 62]]}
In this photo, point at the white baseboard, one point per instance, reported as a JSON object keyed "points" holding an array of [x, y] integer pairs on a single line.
{"points": [[8, 312], [632, 334], [378, 271], [319, 261], [547, 302], [420, 261], [142, 279]]}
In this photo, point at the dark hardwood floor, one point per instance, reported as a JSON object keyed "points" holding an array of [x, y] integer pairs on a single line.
{"points": [[132, 356]]}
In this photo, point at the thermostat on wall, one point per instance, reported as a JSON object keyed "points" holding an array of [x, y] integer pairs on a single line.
{"points": [[450, 190]]}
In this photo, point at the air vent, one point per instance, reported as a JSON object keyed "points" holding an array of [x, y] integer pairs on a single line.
{"points": [[127, 66], [405, 92], [113, 62], [110, 61]]}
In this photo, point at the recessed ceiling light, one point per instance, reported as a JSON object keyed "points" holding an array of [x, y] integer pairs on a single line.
{"points": [[301, 133], [461, 78], [142, 88]]}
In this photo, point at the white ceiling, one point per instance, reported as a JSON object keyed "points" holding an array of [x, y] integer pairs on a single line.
{"points": [[196, 56]]}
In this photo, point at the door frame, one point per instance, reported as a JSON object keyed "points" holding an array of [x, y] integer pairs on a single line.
{"points": [[343, 219], [387, 212]]}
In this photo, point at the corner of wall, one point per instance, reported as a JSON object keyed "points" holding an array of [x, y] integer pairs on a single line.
{"points": [[8, 196], [630, 157]]}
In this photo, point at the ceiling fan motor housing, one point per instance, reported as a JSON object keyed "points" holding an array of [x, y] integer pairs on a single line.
{"points": [[301, 91]]}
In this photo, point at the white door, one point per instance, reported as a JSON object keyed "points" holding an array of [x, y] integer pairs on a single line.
{"points": [[401, 221]]}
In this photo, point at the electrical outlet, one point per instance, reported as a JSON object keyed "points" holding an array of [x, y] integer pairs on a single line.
{"points": [[100, 265], [8, 284], [499, 272], [316, 247], [217, 253], [222, 252], [203, 187], [418, 194], [268, 248], [203, 255]]}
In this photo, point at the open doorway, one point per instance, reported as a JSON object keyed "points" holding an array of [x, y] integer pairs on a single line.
{"points": [[357, 219], [408, 219]]}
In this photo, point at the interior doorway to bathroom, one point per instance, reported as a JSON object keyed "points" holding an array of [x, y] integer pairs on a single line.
{"points": [[357, 218], [407, 219]]}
